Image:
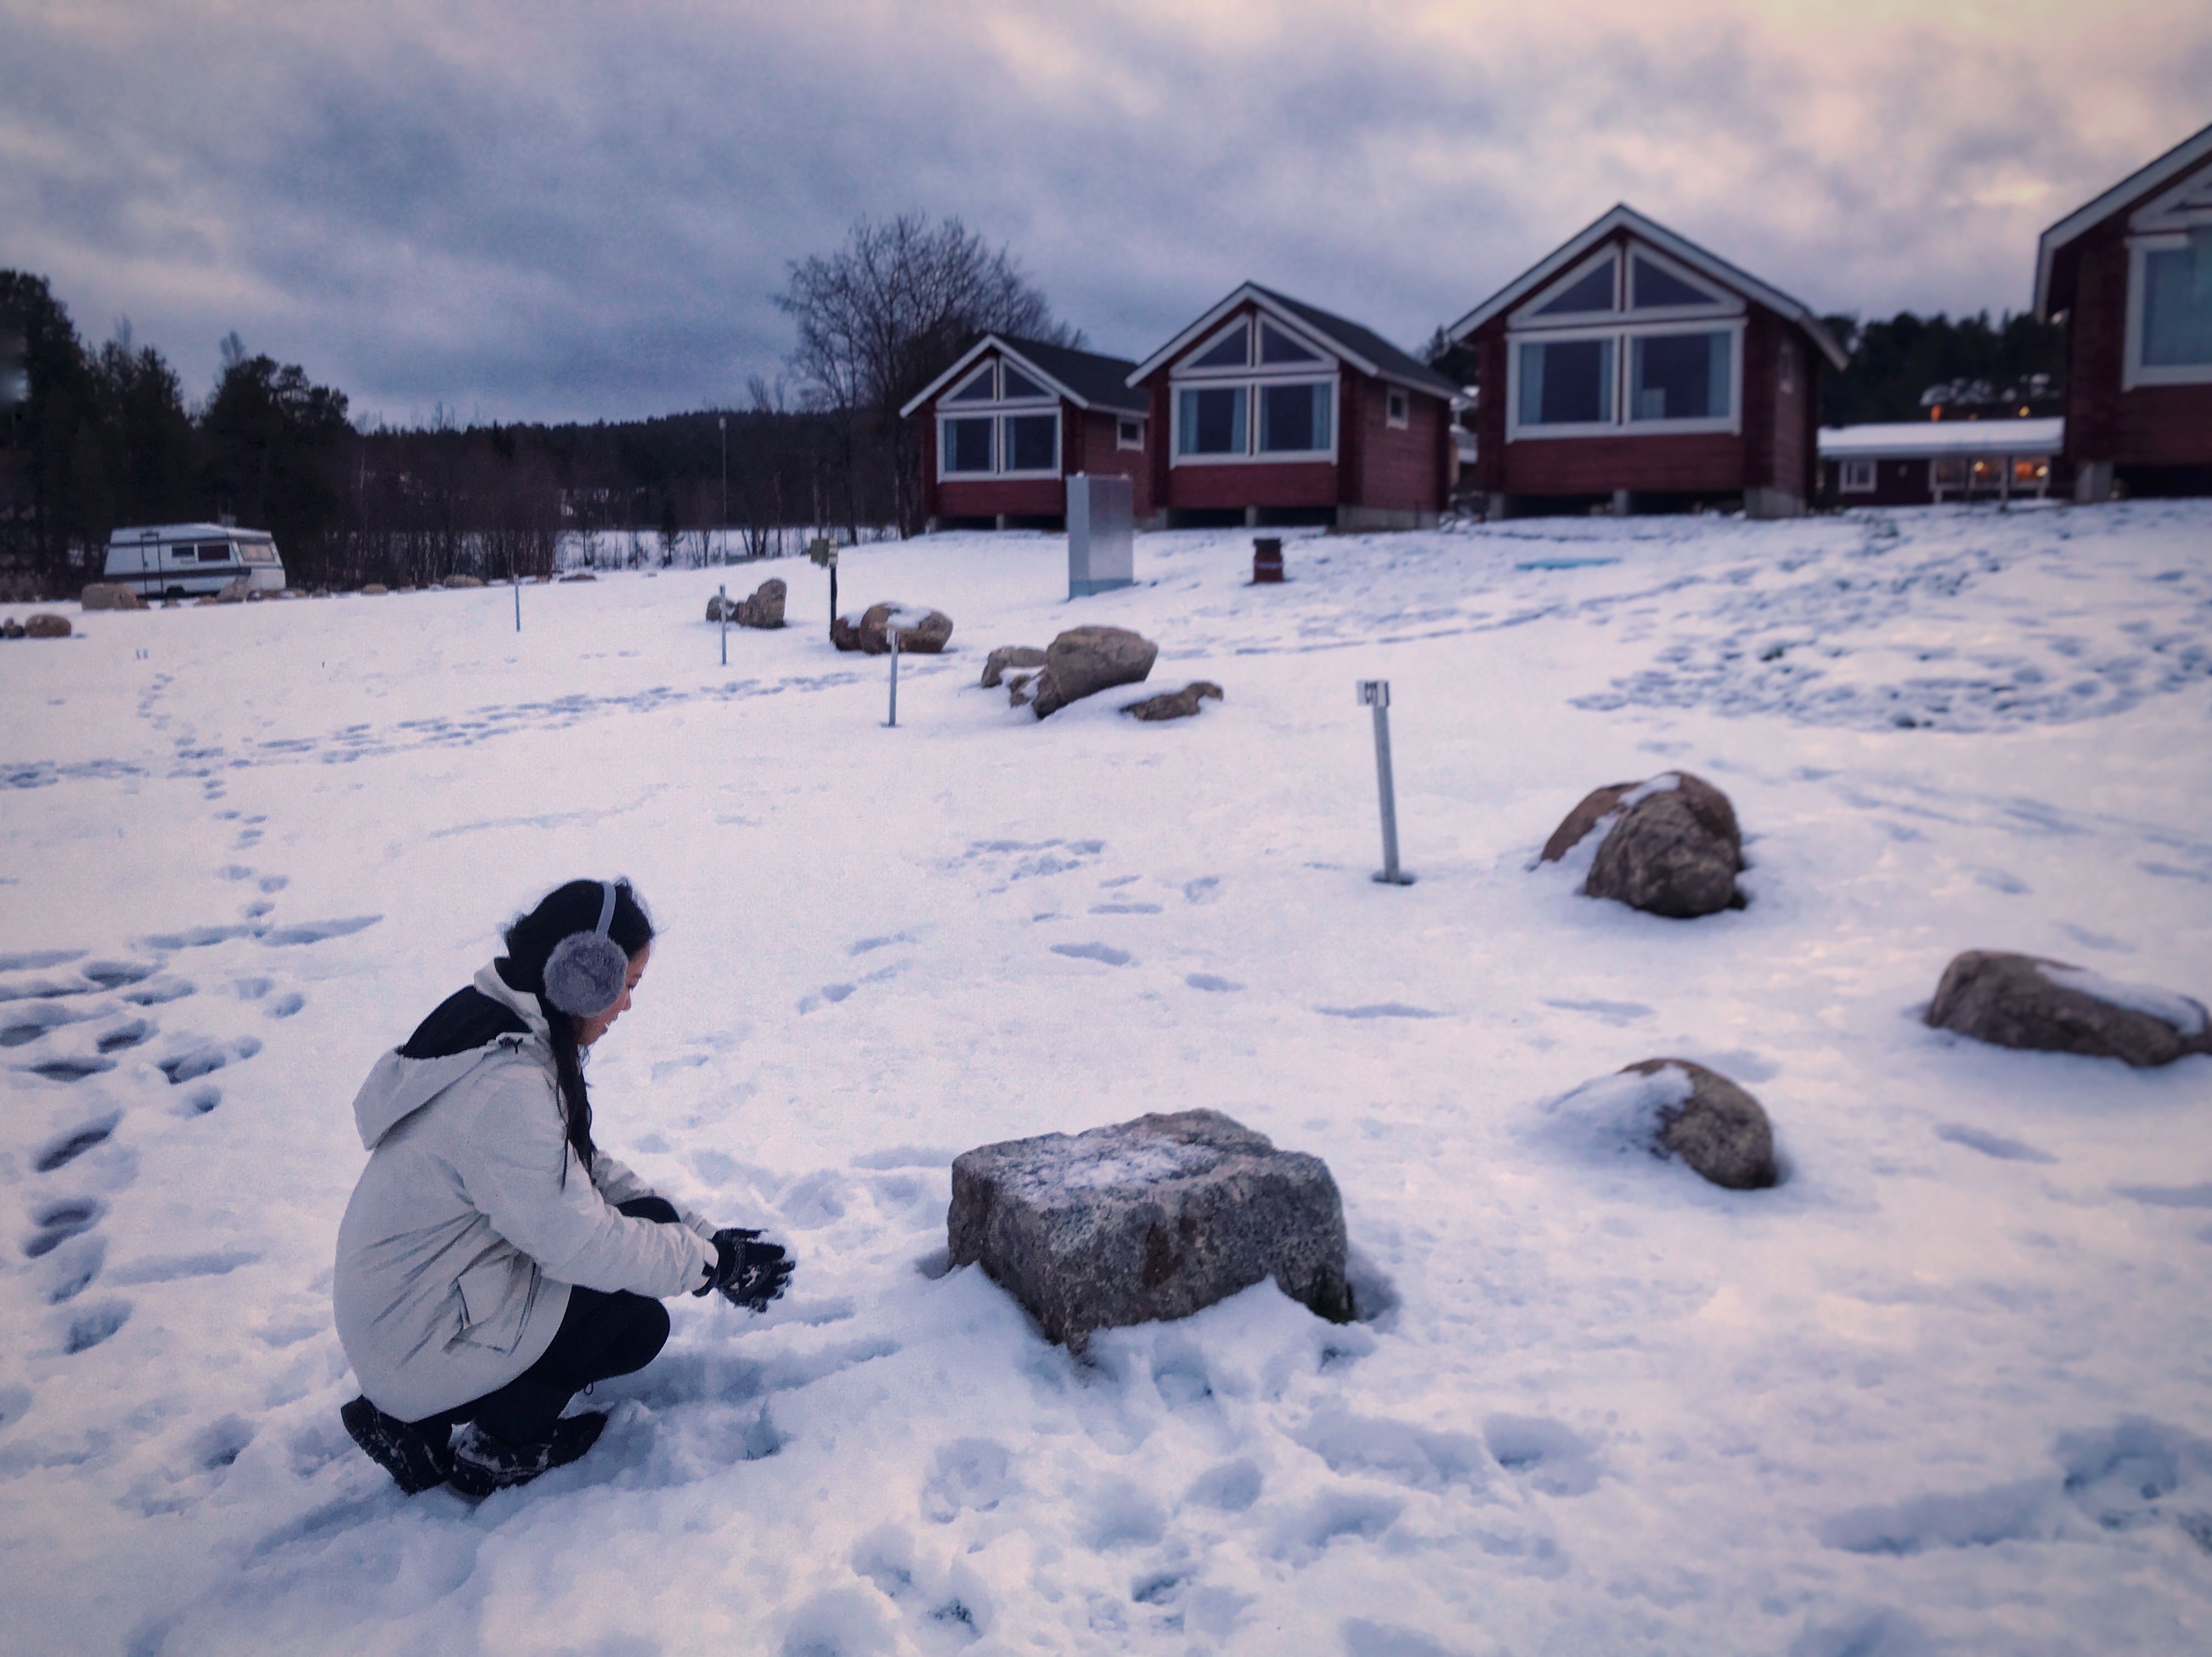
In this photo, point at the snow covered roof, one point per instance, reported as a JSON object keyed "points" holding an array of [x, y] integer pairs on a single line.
{"points": [[2176, 161], [1914, 440], [1083, 377], [1624, 217], [1364, 348], [135, 533]]}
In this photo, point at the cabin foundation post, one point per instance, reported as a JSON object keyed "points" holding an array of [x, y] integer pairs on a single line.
{"points": [[1622, 506], [2093, 482]]}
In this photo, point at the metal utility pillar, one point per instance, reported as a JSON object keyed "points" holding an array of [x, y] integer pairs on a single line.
{"points": [[722, 614], [1375, 694]]}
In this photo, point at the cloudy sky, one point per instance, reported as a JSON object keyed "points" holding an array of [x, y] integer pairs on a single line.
{"points": [[566, 210]]}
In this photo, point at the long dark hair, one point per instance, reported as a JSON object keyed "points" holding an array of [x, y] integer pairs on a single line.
{"points": [[574, 907]]}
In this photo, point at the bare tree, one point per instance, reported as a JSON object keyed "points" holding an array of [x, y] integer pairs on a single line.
{"points": [[883, 315]]}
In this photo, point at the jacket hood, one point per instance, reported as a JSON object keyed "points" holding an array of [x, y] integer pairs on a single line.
{"points": [[397, 1087]]}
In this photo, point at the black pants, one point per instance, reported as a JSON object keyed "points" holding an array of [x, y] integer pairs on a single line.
{"points": [[601, 1335]]}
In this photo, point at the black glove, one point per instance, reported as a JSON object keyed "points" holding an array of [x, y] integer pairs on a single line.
{"points": [[749, 1273]]}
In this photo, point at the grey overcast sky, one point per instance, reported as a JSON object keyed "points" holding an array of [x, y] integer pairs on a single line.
{"points": [[562, 210]]}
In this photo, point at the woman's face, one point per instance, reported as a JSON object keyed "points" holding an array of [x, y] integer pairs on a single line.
{"points": [[589, 1030]]}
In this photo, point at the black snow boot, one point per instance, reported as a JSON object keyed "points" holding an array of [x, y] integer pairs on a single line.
{"points": [[484, 1463], [415, 1463]]}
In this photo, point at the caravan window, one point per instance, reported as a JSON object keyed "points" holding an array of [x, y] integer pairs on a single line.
{"points": [[257, 552], [214, 552]]}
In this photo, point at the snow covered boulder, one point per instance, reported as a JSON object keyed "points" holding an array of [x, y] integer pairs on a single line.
{"points": [[110, 595], [1085, 661], [1674, 847], [1156, 1218], [1716, 1128], [1006, 656], [922, 631], [2025, 1001], [1174, 704], [45, 625]]}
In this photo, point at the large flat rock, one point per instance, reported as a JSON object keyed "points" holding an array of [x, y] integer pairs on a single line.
{"points": [[1156, 1218]]}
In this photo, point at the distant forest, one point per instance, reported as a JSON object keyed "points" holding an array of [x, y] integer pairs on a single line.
{"points": [[92, 438]]}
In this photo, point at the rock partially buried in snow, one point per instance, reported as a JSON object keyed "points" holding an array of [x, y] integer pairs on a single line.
{"points": [[1156, 1218], [45, 626], [1176, 704], [1006, 656], [1083, 661], [1673, 848], [922, 631], [2025, 1001], [110, 595], [764, 609], [1717, 1129]]}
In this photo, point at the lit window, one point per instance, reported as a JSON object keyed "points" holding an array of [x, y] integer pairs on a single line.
{"points": [[1857, 477]]}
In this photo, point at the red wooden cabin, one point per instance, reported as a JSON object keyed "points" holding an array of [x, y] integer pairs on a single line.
{"points": [[1005, 427], [2131, 275], [1271, 411], [1630, 366]]}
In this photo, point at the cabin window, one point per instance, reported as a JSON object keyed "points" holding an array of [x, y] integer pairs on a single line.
{"points": [[1276, 346], [968, 446], [1129, 433], [1855, 477], [1566, 382], [1211, 420], [1033, 443], [1590, 292], [1233, 350], [979, 387], [1679, 376], [1294, 419], [1655, 287], [1019, 384], [1397, 407], [2177, 304]]}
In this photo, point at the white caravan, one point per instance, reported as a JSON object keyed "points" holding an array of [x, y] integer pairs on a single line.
{"points": [[178, 559]]}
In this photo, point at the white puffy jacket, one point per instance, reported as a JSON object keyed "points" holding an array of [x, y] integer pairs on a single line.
{"points": [[474, 1216]]}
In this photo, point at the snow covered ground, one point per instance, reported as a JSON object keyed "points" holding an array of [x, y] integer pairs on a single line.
{"points": [[1944, 1390]]}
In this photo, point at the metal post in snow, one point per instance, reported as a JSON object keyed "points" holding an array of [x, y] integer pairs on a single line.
{"points": [[722, 614], [893, 632], [1375, 694], [517, 573]]}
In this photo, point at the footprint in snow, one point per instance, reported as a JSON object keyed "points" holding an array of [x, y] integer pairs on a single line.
{"points": [[67, 1146], [1991, 1144], [1380, 1009], [1102, 952], [1212, 982]]}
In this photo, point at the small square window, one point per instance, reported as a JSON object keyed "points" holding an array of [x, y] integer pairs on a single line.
{"points": [[1129, 433], [1856, 477], [1398, 407]]}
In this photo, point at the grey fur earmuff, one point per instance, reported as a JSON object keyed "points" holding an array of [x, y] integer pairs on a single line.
{"points": [[586, 972]]}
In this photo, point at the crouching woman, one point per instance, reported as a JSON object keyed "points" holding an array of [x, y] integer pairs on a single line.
{"points": [[493, 1260]]}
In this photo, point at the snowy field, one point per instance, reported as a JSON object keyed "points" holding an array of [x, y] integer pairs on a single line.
{"points": [[1943, 1390]]}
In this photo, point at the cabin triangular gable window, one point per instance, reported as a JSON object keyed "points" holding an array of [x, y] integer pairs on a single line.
{"points": [[1276, 346], [1020, 384], [1231, 351], [978, 387], [1591, 292], [1652, 287]]}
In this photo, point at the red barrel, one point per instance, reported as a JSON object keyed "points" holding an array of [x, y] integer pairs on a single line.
{"points": [[1267, 559]]}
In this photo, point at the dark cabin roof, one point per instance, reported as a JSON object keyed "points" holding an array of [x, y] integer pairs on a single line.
{"points": [[2054, 269], [1084, 378], [1362, 347]]}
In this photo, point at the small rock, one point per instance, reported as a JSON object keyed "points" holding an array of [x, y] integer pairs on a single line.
{"points": [[1006, 656], [463, 581], [1017, 689], [580, 575], [1156, 1218], [110, 595], [11, 628], [233, 592], [1673, 850], [375, 590], [1720, 1131], [924, 636], [46, 625], [2025, 1001], [1085, 661], [1174, 705]]}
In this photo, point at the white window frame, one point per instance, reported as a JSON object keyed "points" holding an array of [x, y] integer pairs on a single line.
{"points": [[1397, 407], [1856, 476], [1622, 335], [999, 410], [1123, 426], [1325, 369], [2133, 371]]}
